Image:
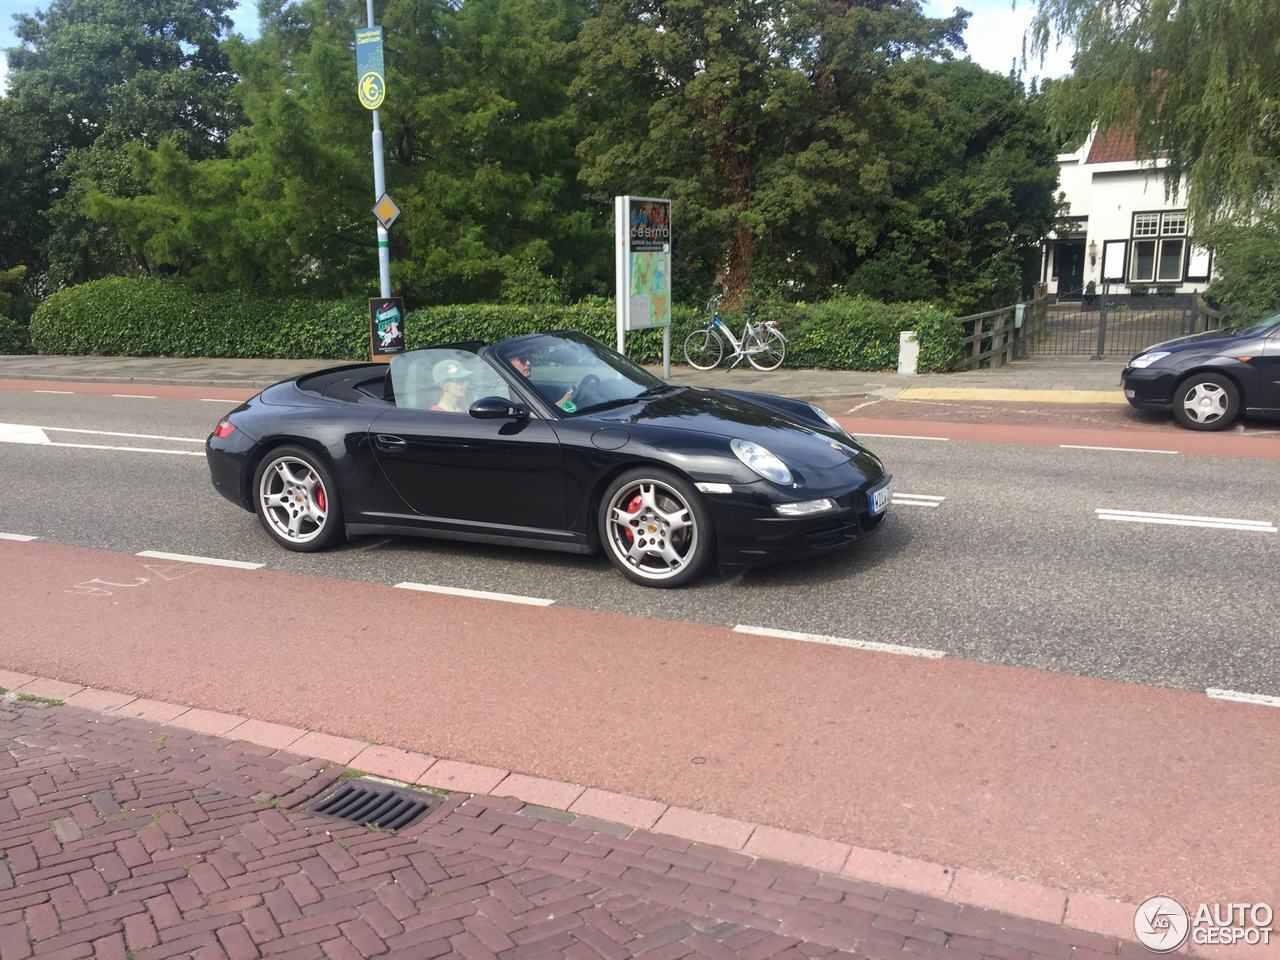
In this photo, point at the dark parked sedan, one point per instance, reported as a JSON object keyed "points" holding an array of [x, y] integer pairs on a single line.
{"points": [[1208, 379], [548, 440]]}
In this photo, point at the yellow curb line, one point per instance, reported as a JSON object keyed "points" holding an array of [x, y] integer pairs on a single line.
{"points": [[1010, 394]]}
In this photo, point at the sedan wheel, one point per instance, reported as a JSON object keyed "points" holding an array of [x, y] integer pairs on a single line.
{"points": [[655, 528], [297, 500], [1206, 401]]}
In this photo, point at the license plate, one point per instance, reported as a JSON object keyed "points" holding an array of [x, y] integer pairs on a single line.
{"points": [[881, 498]]}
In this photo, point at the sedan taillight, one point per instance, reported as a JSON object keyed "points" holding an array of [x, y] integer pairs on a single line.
{"points": [[224, 428]]}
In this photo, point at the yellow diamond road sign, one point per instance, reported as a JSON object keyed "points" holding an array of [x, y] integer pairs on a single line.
{"points": [[386, 211]]}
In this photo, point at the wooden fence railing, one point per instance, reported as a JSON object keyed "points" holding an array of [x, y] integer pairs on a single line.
{"points": [[998, 336], [1206, 318]]}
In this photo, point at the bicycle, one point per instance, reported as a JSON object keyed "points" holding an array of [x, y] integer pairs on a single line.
{"points": [[762, 345]]}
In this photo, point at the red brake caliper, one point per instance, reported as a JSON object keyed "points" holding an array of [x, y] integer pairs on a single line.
{"points": [[321, 502], [632, 507]]}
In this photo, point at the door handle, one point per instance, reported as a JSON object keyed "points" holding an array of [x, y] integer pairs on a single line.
{"points": [[385, 441]]}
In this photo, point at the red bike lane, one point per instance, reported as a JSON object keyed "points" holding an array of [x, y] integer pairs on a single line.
{"points": [[1077, 783]]}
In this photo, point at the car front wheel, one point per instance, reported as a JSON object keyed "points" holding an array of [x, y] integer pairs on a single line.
{"points": [[655, 528], [1206, 401], [296, 499]]}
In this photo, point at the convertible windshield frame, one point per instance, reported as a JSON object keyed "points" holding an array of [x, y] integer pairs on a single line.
{"points": [[607, 361]]}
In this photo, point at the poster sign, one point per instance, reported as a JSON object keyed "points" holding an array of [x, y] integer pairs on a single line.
{"points": [[1113, 257], [642, 230], [371, 82], [386, 327]]}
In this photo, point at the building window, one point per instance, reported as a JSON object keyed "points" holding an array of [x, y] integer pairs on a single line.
{"points": [[1159, 259]]}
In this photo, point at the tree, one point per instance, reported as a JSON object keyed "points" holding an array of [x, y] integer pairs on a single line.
{"points": [[1198, 80], [976, 196], [758, 118], [92, 77]]}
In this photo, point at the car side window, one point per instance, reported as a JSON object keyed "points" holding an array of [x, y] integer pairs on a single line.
{"points": [[443, 381]]}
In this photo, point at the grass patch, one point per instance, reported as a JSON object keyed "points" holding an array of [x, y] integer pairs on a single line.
{"points": [[43, 701]]}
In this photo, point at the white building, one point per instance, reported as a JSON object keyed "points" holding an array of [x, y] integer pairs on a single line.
{"points": [[1124, 229]]}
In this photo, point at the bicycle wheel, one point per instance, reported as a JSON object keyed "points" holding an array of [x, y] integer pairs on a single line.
{"points": [[768, 351], [703, 349]]}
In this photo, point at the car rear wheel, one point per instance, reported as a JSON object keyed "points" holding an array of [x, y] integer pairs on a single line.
{"points": [[1206, 401], [655, 528], [296, 499]]}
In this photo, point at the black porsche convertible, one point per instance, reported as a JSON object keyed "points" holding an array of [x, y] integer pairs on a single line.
{"points": [[548, 440]]}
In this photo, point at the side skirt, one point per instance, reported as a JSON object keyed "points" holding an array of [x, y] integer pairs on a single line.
{"points": [[468, 536]]}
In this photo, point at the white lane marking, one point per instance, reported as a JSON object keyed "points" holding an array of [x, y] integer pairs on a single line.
{"points": [[68, 392], [111, 433], [208, 561], [866, 403], [1081, 446], [1183, 520], [840, 641], [19, 537], [894, 436], [133, 396], [1261, 699], [103, 446], [915, 502], [21, 433], [217, 400], [476, 594]]}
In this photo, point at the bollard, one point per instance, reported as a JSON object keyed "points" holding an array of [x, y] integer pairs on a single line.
{"points": [[908, 352]]}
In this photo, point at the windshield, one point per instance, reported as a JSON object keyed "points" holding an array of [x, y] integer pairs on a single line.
{"points": [[576, 373]]}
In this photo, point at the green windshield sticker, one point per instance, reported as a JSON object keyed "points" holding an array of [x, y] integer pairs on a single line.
{"points": [[568, 406]]}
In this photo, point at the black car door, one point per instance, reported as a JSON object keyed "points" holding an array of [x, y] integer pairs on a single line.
{"points": [[1268, 367], [450, 466]]}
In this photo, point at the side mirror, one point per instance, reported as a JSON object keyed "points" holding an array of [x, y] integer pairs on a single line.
{"points": [[498, 408]]}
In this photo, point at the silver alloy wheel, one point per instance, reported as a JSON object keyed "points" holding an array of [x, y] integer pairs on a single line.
{"points": [[293, 499], [1205, 402], [651, 529]]}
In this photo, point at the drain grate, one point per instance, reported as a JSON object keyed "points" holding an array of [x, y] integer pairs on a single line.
{"points": [[373, 804]]}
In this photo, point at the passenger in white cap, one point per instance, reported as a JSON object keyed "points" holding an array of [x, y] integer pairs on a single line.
{"points": [[450, 376]]}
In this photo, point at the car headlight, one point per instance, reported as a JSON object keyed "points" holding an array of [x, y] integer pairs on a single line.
{"points": [[761, 461], [828, 419], [1147, 359]]}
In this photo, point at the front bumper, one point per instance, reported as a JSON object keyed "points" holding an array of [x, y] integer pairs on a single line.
{"points": [[749, 531], [1148, 388]]}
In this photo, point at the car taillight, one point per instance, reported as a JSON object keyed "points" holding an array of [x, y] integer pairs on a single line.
{"points": [[224, 428]]}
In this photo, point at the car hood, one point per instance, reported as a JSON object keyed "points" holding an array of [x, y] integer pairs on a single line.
{"points": [[714, 413], [1210, 342]]}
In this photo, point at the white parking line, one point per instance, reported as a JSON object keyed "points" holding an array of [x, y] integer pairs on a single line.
{"points": [[476, 594], [1183, 520], [896, 436], [841, 642], [917, 500], [208, 561], [68, 392], [1260, 699], [133, 396], [1080, 446], [19, 537]]}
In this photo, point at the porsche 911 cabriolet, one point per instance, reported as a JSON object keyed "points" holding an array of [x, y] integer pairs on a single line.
{"points": [[548, 440]]}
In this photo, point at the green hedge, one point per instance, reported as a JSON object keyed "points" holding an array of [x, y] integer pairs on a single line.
{"points": [[165, 317]]}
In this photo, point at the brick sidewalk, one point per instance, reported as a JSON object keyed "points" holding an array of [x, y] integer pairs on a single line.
{"points": [[124, 839]]}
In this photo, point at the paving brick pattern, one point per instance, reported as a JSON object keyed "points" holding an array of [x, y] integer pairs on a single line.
{"points": [[124, 839]]}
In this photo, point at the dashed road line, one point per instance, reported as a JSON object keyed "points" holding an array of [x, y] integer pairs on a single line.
{"points": [[208, 561], [476, 594], [17, 537], [112, 433], [1081, 446], [1261, 699], [103, 446], [896, 436], [67, 392], [917, 500], [841, 642], [1185, 520], [134, 396]]}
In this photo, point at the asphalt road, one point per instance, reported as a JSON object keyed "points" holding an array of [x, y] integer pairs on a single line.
{"points": [[1013, 566]]}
